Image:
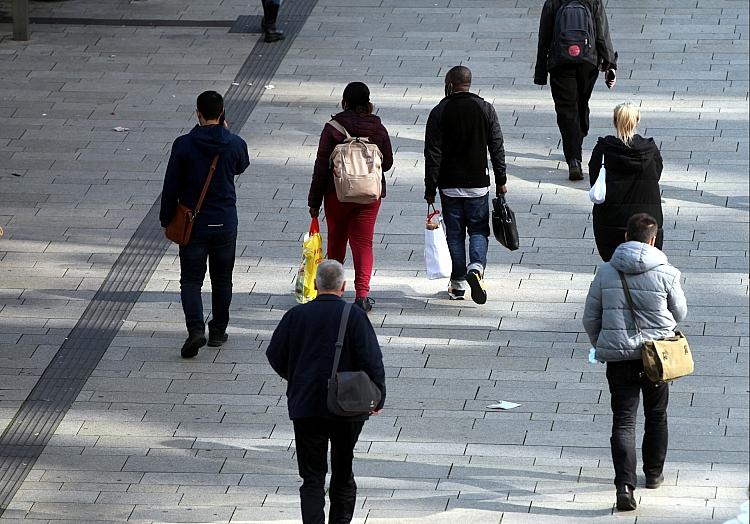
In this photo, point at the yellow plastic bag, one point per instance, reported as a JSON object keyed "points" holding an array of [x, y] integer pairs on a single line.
{"points": [[312, 255]]}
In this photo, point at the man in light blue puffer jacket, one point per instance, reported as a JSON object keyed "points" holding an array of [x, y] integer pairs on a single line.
{"points": [[659, 304]]}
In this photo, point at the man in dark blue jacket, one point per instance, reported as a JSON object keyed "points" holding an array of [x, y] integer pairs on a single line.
{"points": [[214, 234], [302, 351]]}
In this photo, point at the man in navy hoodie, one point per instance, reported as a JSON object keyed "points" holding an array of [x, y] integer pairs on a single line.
{"points": [[214, 234]]}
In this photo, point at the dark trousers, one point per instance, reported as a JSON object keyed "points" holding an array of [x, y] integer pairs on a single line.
{"points": [[219, 252], [571, 88], [462, 216], [626, 382], [311, 439]]}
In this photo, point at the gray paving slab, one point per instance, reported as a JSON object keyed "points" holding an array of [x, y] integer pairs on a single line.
{"points": [[154, 438]]}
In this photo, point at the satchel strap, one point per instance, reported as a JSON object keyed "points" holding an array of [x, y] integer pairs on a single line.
{"points": [[629, 298], [205, 186], [340, 340]]}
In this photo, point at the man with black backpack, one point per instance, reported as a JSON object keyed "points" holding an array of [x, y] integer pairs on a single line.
{"points": [[574, 45]]}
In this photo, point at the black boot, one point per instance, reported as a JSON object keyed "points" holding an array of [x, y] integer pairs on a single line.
{"points": [[625, 498], [195, 341], [270, 13], [574, 170]]}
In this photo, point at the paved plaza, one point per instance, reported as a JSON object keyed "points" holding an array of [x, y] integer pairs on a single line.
{"points": [[154, 438]]}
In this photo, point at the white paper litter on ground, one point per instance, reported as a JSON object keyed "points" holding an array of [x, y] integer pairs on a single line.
{"points": [[269, 86], [120, 129], [503, 404]]}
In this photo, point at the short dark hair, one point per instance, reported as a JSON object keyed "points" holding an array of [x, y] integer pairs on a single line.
{"points": [[459, 75], [642, 227], [356, 97], [210, 104]]}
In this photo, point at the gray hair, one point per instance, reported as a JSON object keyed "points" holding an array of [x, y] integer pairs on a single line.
{"points": [[330, 276]]}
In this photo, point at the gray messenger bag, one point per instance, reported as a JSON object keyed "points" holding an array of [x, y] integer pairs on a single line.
{"points": [[350, 393]]}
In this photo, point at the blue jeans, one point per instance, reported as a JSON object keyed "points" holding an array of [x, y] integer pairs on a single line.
{"points": [[219, 252], [462, 215]]}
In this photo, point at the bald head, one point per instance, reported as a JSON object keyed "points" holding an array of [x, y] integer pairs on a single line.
{"points": [[458, 78]]}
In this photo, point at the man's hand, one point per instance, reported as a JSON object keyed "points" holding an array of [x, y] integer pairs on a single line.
{"points": [[430, 200], [164, 230], [376, 413], [501, 190], [314, 212]]}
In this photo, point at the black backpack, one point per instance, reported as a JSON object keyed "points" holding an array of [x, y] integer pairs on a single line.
{"points": [[574, 37]]}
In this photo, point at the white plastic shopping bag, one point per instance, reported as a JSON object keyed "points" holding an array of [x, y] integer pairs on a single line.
{"points": [[437, 258], [598, 191]]}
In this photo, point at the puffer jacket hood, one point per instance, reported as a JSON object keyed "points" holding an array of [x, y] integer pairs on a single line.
{"points": [[657, 295], [633, 258]]}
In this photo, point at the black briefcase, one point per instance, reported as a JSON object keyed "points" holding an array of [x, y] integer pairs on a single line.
{"points": [[504, 223]]}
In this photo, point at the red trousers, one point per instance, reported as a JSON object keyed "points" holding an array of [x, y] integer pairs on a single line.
{"points": [[353, 223]]}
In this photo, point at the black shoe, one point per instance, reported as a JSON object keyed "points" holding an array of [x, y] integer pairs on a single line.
{"points": [[575, 172], [217, 338], [478, 293], [364, 303], [195, 341], [625, 498], [273, 34], [654, 482]]}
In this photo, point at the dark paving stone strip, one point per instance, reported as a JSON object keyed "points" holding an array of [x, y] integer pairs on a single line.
{"points": [[38, 417], [43, 20]]}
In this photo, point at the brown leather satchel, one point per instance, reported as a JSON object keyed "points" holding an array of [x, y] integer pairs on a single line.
{"points": [[179, 229]]}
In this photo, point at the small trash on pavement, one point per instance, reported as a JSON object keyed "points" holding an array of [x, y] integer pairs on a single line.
{"points": [[503, 404], [120, 129]]}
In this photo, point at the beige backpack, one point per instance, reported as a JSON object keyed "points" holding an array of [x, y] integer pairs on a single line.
{"points": [[357, 168]]}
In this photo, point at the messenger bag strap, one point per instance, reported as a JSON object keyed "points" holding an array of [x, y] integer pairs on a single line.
{"points": [[205, 186], [340, 340], [629, 299]]}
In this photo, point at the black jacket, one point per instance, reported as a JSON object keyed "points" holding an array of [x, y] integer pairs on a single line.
{"points": [[187, 171], [633, 175], [302, 348], [460, 130], [604, 54]]}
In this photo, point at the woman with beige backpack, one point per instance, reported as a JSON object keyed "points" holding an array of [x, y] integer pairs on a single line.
{"points": [[354, 152]]}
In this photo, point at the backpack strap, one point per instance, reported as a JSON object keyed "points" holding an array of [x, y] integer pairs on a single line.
{"points": [[341, 129]]}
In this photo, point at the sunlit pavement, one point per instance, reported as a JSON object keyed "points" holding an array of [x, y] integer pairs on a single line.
{"points": [[154, 438]]}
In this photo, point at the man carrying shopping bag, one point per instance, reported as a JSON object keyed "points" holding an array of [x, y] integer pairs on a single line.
{"points": [[460, 130]]}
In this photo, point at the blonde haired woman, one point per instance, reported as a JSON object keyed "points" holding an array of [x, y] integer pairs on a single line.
{"points": [[634, 166]]}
